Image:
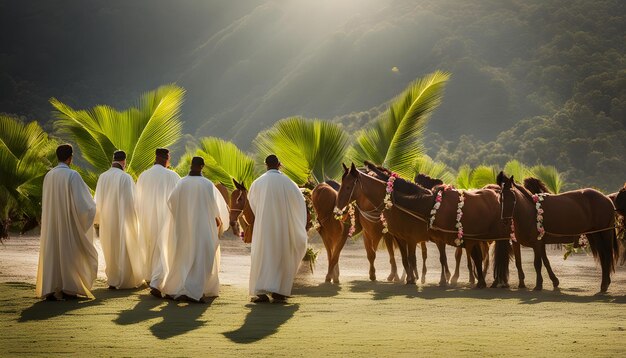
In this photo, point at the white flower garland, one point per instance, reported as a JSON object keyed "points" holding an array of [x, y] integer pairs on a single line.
{"points": [[459, 215], [339, 214], [387, 201], [438, 200], [538, 198], [583, 241], [313, 214]]}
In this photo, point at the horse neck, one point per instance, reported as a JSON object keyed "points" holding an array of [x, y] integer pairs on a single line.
{"points": [[524, 212], [369, 193], [247, 211]]}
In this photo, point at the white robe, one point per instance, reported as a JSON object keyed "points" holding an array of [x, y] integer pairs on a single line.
{"points": [[115, 213], [154, 187], [279, 237], [192, 245], [68, 260]]}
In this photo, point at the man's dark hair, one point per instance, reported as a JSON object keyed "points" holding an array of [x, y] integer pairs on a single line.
{"points": [[197, 161], [119, 155], [64, 152], [272, 161], [162, 152]]}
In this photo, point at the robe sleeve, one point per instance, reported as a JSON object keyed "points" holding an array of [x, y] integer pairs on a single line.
{"points": [[84, 204]]}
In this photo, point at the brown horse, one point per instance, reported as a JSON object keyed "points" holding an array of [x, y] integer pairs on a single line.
{"points": [[566, 217], [241, 212], [226, 195], [334, 233], [407, 218]]}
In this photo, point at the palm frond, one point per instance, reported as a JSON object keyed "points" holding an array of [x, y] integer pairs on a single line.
{"points": [[516, 169], [549, 175], [309, 150], [98, 132], [483, 175], [426, 165], [395, 140], [464, 177]]}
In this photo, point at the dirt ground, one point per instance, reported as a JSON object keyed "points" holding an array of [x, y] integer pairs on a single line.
{"points": [[355, 318]]}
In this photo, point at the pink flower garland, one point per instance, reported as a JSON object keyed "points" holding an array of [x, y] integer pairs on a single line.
{"points": [[438, 200], [387, 201], [459, 215], [538, 198], [352, 220]]}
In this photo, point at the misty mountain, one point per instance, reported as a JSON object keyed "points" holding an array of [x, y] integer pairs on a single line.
{"points": [[247, 64]]}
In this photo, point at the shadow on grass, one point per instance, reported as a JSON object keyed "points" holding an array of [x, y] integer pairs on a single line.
{"points": [[43, 310], [262, 321], [178, 317], [382, 291], [324, 289]]}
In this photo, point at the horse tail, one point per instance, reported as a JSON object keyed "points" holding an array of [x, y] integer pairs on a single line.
{"points": [[606, 251], [501, 259]]}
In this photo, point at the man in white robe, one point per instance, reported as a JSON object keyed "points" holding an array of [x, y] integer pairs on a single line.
{"points": [[199, 215], [68, 260], [115, 213], [154, 187], [279, 237]]}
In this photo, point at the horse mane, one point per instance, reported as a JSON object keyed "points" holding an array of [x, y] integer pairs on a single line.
{"points": [[535, 186], [523, 190], [620, 201], [426, 181], [333, 184]]}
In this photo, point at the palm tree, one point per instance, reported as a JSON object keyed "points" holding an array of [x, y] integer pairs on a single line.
{"points": [[517, 169], [476, 178], [311, 151], [549, 175], [223, 162], [98, 132], [26, 154], [426, 165], [395, 140]]}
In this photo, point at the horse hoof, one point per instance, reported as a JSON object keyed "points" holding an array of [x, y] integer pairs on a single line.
{"points": [[494, 285], [521, 285], [481, 285], [410, 282], [327, 280], [423, 280], [555, 283], [443, 284], [538, 288]]}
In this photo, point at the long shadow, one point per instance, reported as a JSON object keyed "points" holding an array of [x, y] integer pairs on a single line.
{"points": [[382, 291], [262, 321], [178, 317], [43, 310], [324, 289]]}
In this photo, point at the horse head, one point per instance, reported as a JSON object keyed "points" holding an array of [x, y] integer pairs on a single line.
{"points": [[427, 182], [349, 181], [238, 200], [507, 196]]}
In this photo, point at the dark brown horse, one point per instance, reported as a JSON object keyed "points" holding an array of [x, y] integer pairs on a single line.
{"points": [[226, 195], [407, 218], [566, 217], [334, 233], [241, 212]]}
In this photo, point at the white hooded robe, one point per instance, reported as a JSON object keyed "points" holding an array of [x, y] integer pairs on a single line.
{"points": [[192, 243], [279, 238], [115, 213], [68, 260], [154, 187]]}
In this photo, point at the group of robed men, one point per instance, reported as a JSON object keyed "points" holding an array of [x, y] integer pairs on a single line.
{"points": [[163, 231]]}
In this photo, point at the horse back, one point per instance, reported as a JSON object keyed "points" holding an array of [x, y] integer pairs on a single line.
{"points": [[587, 209], [324, 199]]}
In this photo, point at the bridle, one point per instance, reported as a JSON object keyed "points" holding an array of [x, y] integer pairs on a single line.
{"points": [[502, 215]]}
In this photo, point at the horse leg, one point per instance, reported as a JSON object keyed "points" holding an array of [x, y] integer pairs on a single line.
{"points": [[402, 246], [539, 250], [477, 257], [546, 263], [517, 251], [424, 255], [329, 253], [604, 247], [484, 246], [410, 279], [501, 260], [470, 268], [443, 260], [393, 276], [458, 253], [370, 249], [337, 252]]}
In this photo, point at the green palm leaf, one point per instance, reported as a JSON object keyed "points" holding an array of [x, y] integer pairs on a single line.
{"points": [[223, 162], [464, 178], [395, 141], [155, 122], [309, 150], [25, 150], [516, 169], [483, 175], [426, 165], [550, 176]]}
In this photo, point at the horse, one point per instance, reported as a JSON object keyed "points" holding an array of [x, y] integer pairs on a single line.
{"points": [[226, 195], [335, 233], [241, 212], [566, 217], [408, 216]]}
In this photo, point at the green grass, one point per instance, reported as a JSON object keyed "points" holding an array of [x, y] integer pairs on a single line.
{"points": [[355, 318]]}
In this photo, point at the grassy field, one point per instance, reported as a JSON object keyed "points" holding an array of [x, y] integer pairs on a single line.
{"points": [[355, 318]]}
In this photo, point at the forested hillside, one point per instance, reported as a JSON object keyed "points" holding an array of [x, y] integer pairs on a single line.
{"points": [[539, 81]]}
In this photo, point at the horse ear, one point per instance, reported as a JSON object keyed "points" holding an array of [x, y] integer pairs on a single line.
{"points": [[511, 179], [239, 185], [353, 170], [500, 178], [345, 169]]}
